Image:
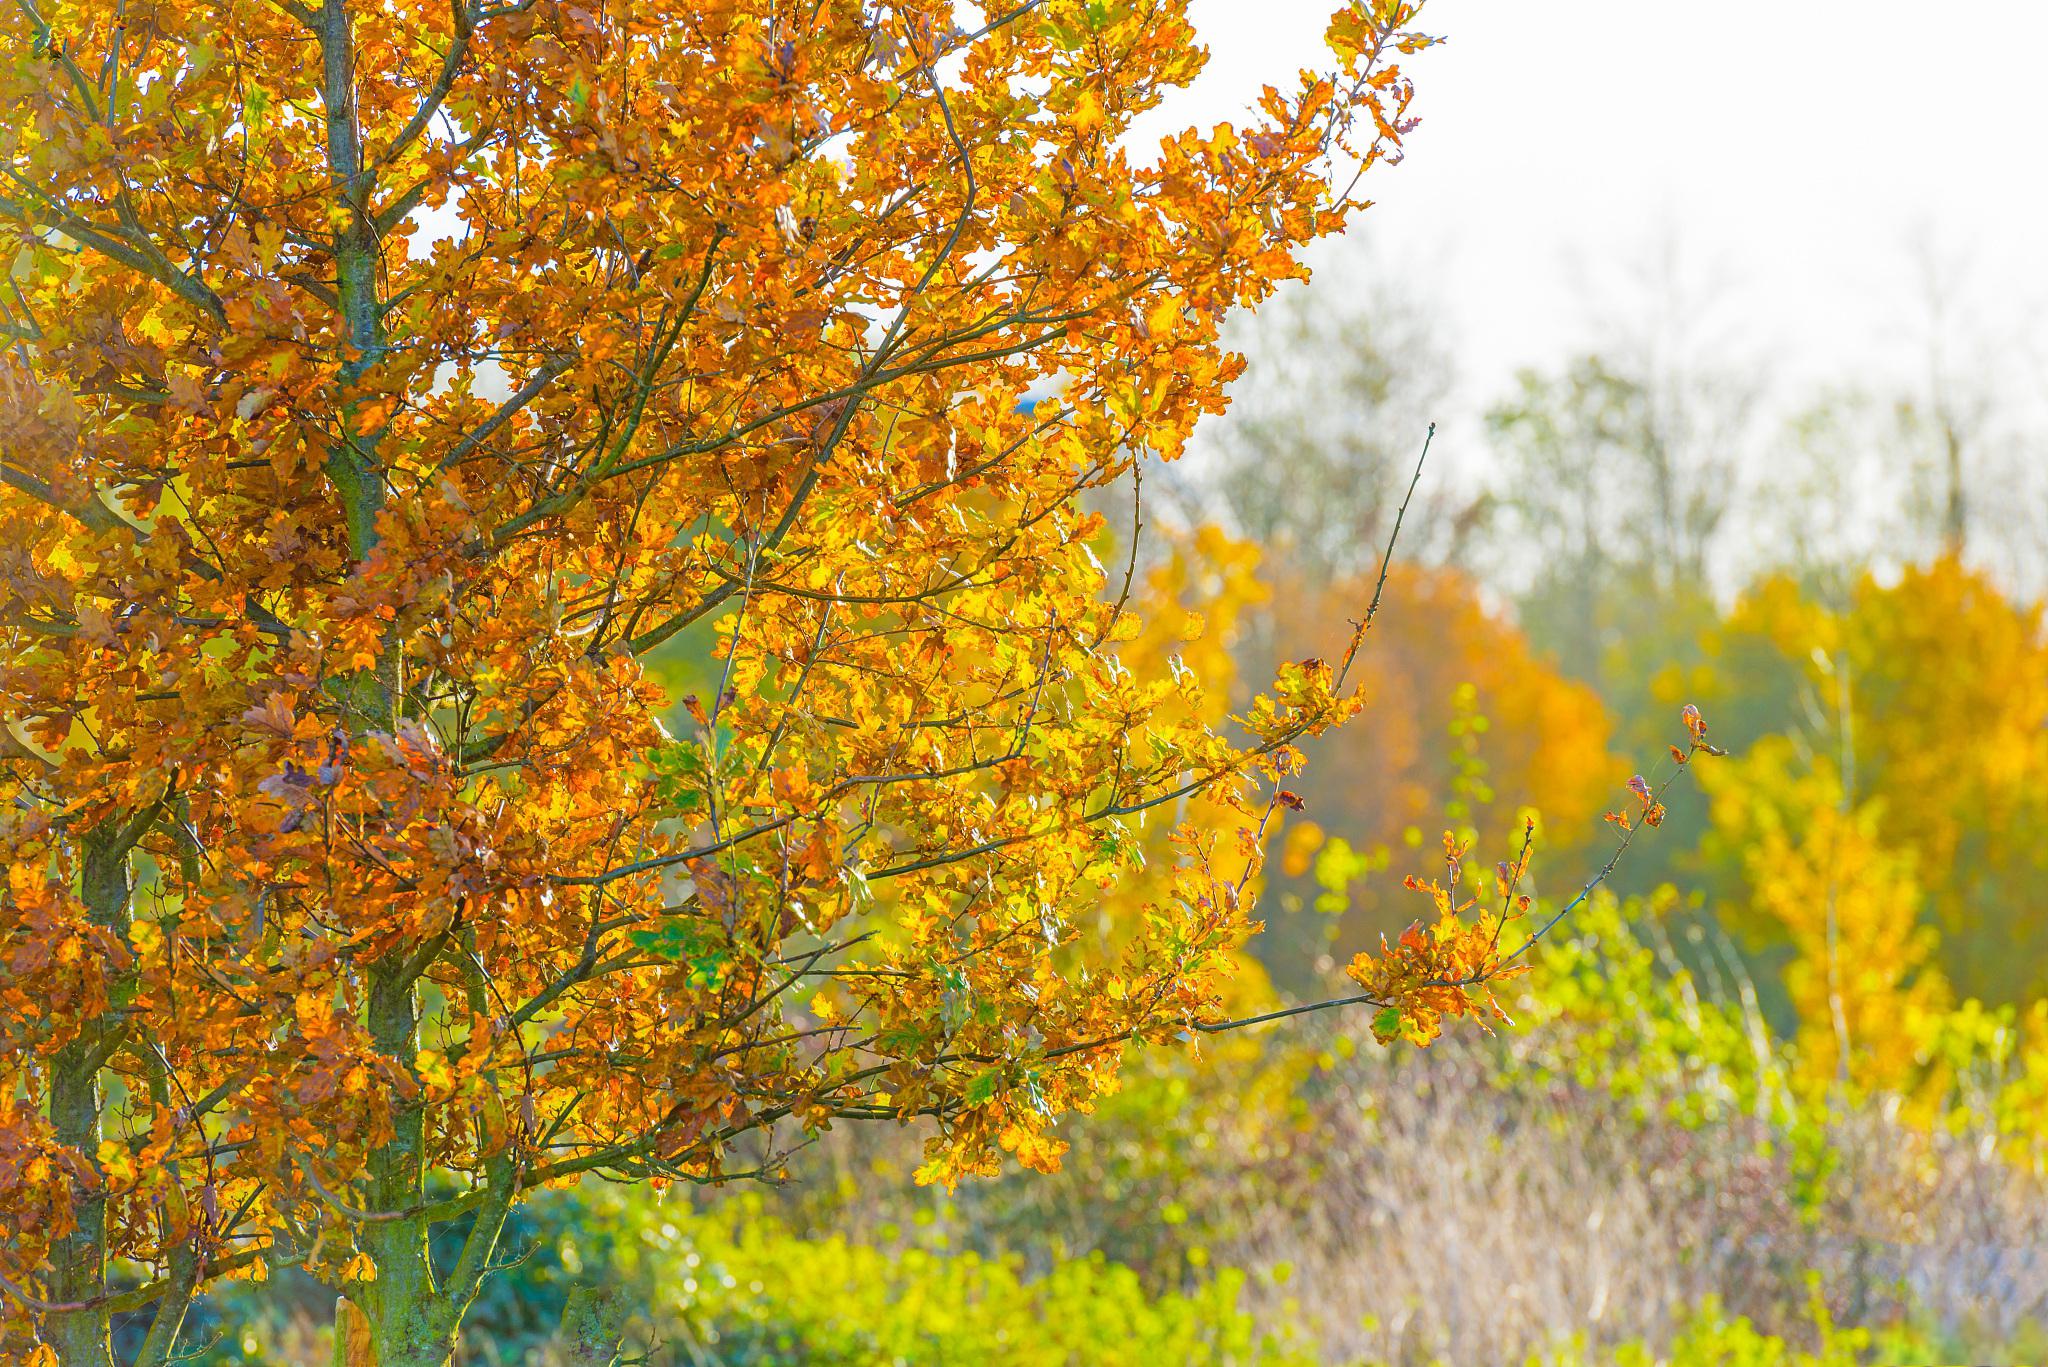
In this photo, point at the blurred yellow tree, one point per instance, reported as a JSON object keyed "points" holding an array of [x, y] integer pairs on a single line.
{"points": [[1863, 977], [1929, 697]]}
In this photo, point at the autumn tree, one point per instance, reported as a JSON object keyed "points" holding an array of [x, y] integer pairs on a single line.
{"points": [[1863, 979], [383, 386], [1921, 710]]}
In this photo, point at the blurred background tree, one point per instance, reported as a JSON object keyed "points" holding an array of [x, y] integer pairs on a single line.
{"points": [[1317, 447]]}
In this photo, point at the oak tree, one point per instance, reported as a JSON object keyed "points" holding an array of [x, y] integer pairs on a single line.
{"points": [[383, 386]]}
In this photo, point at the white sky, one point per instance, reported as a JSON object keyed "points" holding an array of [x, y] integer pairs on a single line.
{"points": [[1792, 152]]}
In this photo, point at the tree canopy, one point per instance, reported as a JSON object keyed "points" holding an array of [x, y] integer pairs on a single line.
{"points": [[384, 385]]}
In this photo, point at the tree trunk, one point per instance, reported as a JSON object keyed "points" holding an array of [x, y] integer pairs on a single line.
{"points": [[592, 1323], [78, 1261], [1955, 512], [410, 1321]]}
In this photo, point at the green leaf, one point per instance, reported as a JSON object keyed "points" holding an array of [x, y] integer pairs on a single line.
{"points": [[982, 1090], [1387, 1024], [685, 942]]}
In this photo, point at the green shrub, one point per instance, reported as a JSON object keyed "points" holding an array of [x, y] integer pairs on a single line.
{"points": [[733, 1285]]}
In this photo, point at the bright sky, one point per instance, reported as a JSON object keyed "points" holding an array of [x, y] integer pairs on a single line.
{"points": [[1793, 152]]}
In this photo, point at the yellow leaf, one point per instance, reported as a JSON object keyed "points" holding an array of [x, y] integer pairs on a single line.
{"points": [[1164, 317], [1087, 115], [372, 414]]}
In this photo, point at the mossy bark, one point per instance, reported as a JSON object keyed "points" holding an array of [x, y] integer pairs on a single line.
{"points": [[593, 1323], [78, 1260], [410, 1321]]}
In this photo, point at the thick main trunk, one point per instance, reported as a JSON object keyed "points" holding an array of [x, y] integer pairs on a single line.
{"points": [[78, 1260], [410, 1320], [591, 1325], [408, 1330]]}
